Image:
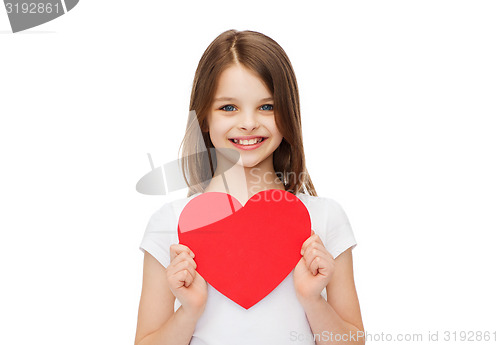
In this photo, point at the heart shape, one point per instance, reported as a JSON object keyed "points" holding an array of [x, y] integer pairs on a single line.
{"points": [[245, 252]]}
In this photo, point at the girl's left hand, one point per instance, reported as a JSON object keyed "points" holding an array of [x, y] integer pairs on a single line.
{"points": [[314, 269]]}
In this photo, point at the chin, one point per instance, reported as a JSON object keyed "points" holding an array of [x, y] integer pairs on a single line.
{"points": [[249, 163]]}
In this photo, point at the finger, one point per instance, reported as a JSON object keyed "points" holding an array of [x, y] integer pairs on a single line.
{"points": [[183, 256], [307, 242], [318, 265], [183, 278], [183, 266], [177, 248], [315, 259], [316, 245], [189, 278], [312, 253]]}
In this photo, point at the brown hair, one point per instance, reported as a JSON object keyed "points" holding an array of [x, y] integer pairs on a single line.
{"points": [[264, 56]]}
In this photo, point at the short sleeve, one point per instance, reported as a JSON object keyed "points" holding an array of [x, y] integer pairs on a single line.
{"points": [[160, 233], [339, 234]]}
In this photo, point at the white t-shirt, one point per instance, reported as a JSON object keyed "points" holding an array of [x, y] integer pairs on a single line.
{"points": [[277, 319]]}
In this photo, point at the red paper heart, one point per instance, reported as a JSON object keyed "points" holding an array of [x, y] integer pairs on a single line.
{"points": [[245, 252]]}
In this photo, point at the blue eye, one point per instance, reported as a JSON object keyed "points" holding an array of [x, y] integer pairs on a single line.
{"points": [[228, 105]]}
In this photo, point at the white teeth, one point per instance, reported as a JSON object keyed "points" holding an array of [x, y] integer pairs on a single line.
{"points": [[247, 142]]}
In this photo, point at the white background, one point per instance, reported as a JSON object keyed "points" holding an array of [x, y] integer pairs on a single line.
{"points": [[400, 107]]}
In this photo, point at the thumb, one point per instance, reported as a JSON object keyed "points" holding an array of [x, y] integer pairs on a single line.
{"points": [[312, 232]]}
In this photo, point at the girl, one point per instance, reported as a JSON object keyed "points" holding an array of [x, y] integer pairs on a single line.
{"points": [[245, 99]]}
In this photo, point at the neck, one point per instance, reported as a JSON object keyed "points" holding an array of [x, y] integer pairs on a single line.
{"points": [[243, 182]]}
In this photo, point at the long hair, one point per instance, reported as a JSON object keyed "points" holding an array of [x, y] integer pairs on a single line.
{"points": [[263, 55]]}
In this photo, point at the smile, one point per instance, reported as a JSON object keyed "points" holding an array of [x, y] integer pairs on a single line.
{"points": [[248, 144]]}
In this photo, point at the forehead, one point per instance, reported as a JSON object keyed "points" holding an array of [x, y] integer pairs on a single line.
{"points": [[238, 82]]}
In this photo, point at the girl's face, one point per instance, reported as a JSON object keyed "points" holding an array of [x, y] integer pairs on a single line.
{"points": [[242, 111]]}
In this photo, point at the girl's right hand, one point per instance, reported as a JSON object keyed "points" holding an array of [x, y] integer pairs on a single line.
{"points": [[186, 284]]}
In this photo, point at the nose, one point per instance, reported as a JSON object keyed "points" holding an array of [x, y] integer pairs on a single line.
{"points": [[248, 121]]}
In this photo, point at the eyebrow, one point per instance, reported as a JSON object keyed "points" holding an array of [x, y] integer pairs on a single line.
{"points": [[235, 99]]}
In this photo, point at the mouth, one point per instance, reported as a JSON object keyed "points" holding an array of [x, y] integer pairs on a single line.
{"points": [[247, 144]]}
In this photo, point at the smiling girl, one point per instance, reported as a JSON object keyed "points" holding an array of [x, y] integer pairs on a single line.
{"points": [[245, 98]]}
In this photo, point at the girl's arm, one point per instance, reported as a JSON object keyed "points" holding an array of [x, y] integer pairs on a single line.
{"points": [[177, 330], [336, 320], [157, 323]]}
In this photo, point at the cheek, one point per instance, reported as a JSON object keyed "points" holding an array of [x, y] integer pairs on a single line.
{"points": [[212, 126], [277, 138], [276, 134], [218, 132], [216, 137], [277, 141]]}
